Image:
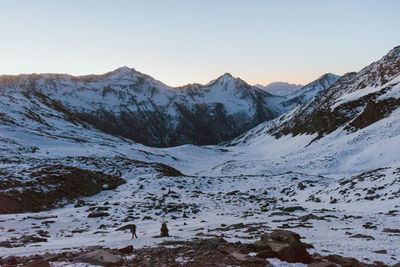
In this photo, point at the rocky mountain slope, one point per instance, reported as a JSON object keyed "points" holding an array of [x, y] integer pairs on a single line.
{"points": [[355, 101], [130, 104]]}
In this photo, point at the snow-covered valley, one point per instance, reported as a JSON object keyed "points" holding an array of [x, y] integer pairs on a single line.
{"points": [[337, 186]]}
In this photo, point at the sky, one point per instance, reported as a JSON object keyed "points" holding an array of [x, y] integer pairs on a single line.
{"points": [[186, 41]]}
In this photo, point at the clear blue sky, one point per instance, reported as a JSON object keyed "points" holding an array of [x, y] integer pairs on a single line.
{"points": [[187, 41]]}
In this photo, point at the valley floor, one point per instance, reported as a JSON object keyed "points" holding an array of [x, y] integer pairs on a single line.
{"points": [[238, 208], [341, 199]]}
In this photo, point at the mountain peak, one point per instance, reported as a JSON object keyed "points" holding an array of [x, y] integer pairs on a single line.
{"points": [[325, 81], [328, 76], [226, 77], [121, 72], [123, 69], [227, 74]]}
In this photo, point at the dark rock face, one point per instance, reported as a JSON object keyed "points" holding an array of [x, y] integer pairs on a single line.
{"points": [[61, 182], [199, 124]]}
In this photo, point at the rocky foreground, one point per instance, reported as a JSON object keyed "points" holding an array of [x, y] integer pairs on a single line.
{"points": [[280, 245]]}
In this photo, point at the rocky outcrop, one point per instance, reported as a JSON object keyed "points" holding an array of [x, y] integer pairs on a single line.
{"points": [[49, 185], [285, 245]]}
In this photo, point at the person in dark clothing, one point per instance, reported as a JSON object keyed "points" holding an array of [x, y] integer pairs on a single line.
{"points": [[133, 230]]}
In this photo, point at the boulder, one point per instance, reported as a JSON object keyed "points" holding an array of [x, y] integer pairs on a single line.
{"points": [[260, 245], [10, 260], [283, 236], [126, 250], [101, 257], [294, 253], [98, 214], [5, 244], [343, 261], [266, 254], [286, 245]]}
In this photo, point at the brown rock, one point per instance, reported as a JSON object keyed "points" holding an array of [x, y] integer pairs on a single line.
{"points": [[265, 254], [40, 263], [126, 250], [343, 261], [98, 214], [5, 244], [294, 253], [287, 246]]}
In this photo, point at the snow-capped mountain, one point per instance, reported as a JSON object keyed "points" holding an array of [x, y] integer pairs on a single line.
{"points": [[128, 103], [280, 88], [310, 90], [355, 101]]}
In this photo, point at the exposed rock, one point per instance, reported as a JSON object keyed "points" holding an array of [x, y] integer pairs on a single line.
{"points": [[265, 254], [98, 214], [126, 250], [5, 244], [11, 260], [38, 263], [343, 261], [381, 251], [62, 183], [388, 230], [287, 246], [310, 216], [291, 209], [25, 239], [362, 236], [101, 257], [217, 241]]}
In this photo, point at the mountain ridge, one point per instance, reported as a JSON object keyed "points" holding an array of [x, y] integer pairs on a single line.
{"points": [[128, 103]]}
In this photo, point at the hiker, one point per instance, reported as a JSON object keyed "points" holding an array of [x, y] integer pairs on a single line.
{"points": [[133, 230], [164, 228]]}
